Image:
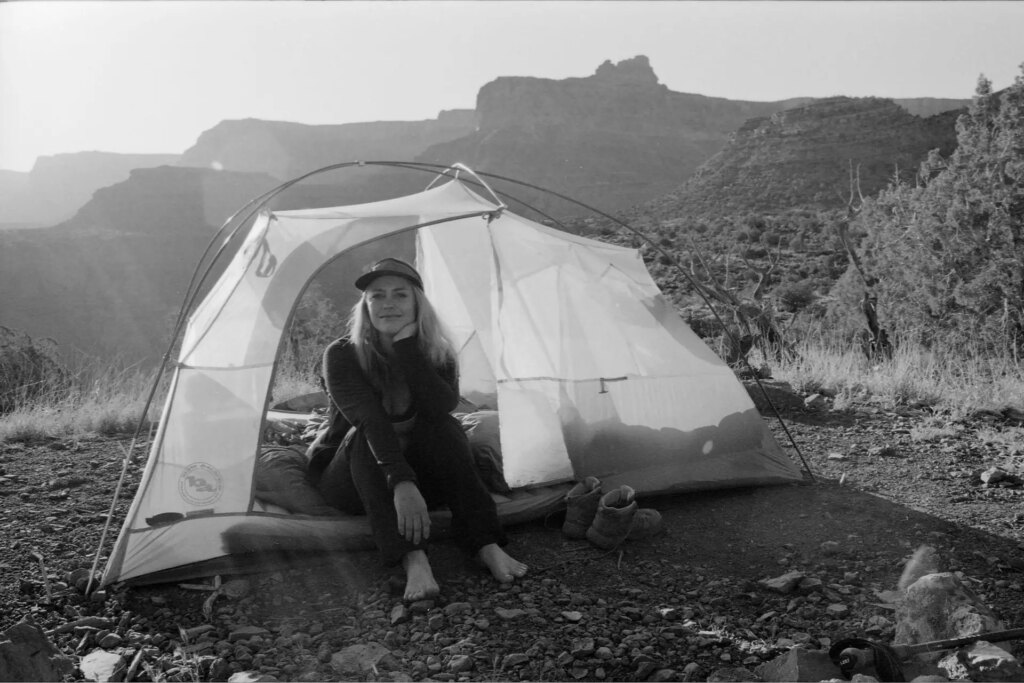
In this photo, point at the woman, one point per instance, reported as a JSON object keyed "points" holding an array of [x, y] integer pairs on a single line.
{"points": [[394, 379]]}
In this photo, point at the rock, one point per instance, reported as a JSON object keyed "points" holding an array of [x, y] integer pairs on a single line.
{"points": [[662, 675], [837, 610], [421, 606], [399, 615], [246, 632], [26, 654], [251, 677], [829, 548], [110, 641], [572, 616], [731, 675], [691, 671], [454, 609], [509, 614], [784, 584], [987, 662], [87, 622], [940, 606], [100, 665], [815, 402], [460, 664], [220, 669], [799, 664], [644, 669], [359, 658], [582, 647], [514, 659], [808, 585]]}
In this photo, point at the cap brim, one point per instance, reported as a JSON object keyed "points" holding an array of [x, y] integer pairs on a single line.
{"points": [[364, 280]]}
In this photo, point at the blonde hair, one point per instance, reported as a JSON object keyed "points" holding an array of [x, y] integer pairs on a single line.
{"points": [[432, 338]]}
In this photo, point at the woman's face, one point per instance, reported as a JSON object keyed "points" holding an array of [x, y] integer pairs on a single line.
{"points": [[391, 303]]}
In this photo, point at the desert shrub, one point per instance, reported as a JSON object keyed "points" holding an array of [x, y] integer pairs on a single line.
{"points": [[949, 253], [794, 296], [29, 368]]}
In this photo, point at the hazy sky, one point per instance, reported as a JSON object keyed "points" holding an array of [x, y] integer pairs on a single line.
{"points": [[152, 76]]}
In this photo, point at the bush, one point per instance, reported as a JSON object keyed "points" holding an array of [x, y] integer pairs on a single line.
{"points": [[794, 296], [29, 368]]}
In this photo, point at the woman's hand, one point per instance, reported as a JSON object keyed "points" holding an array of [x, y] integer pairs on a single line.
{"points": [[407, 331], [413, 518]]}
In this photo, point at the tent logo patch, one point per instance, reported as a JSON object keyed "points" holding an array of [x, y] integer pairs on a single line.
{"points": [[200, 484]]}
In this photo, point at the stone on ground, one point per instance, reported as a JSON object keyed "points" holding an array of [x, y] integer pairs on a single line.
{"points": [[940, 606], [987, 662], [100, 665], [26, 654], [799, 664]]}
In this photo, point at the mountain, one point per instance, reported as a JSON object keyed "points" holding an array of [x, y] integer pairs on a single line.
{"points": [[109, 281], [612, 139], [285, 150], [801, 157], [59, 185]]}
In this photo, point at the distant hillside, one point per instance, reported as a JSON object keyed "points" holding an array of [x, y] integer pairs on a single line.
{"points": [[110, 280], [930, 106], [59, 185], [613, 139], [800, 158], [285, 150]]}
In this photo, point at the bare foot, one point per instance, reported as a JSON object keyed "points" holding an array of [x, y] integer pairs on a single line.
{"points": [[419, 577], [503, 566]]}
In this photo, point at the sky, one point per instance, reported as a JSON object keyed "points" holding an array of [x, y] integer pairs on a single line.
{"points": [[149, 77]]}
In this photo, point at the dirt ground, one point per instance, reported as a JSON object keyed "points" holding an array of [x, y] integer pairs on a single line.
{"points": [[675, 607]]}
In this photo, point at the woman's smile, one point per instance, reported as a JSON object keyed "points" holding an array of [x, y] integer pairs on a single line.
{"points": [[391, 303]]}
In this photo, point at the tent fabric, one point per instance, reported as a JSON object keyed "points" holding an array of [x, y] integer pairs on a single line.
{"points": [[591, 371]]}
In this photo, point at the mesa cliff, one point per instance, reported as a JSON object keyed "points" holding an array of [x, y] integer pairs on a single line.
{"points": [[612, 139], [802, 157]]}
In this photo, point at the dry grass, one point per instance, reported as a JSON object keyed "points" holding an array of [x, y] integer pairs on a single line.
{"points": [[957, 382], [98, 398]]}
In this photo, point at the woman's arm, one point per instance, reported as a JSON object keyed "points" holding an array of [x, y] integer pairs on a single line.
{"points": [[359, 403], [435, 392]]}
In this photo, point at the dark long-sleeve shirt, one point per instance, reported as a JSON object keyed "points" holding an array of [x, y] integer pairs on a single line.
{"points": [[433, 392]]}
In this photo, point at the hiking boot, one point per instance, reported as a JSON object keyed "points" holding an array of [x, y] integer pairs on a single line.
{"points": [[581, 506], [616, 511]]}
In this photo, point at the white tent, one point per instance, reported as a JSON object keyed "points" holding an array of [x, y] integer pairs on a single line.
{"points": [[591, 371]]}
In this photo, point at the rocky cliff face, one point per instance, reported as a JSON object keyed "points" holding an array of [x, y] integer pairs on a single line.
{"points": [[110, 280], [58, 185], [612, 139], [285, 150], [802, 157]]}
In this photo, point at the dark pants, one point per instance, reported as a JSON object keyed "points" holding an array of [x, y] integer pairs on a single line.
{"points": [[439, 454]]}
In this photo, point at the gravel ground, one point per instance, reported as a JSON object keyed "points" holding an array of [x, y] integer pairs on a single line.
{"points": [[676, 607]]}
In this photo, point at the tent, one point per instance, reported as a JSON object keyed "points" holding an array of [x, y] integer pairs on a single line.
{"points": [[590, 370]]}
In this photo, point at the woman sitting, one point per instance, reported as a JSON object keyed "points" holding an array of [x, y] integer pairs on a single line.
{"points": [[394, 379]]}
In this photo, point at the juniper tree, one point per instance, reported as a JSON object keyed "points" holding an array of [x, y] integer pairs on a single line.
{"points": [[949, 251]]}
